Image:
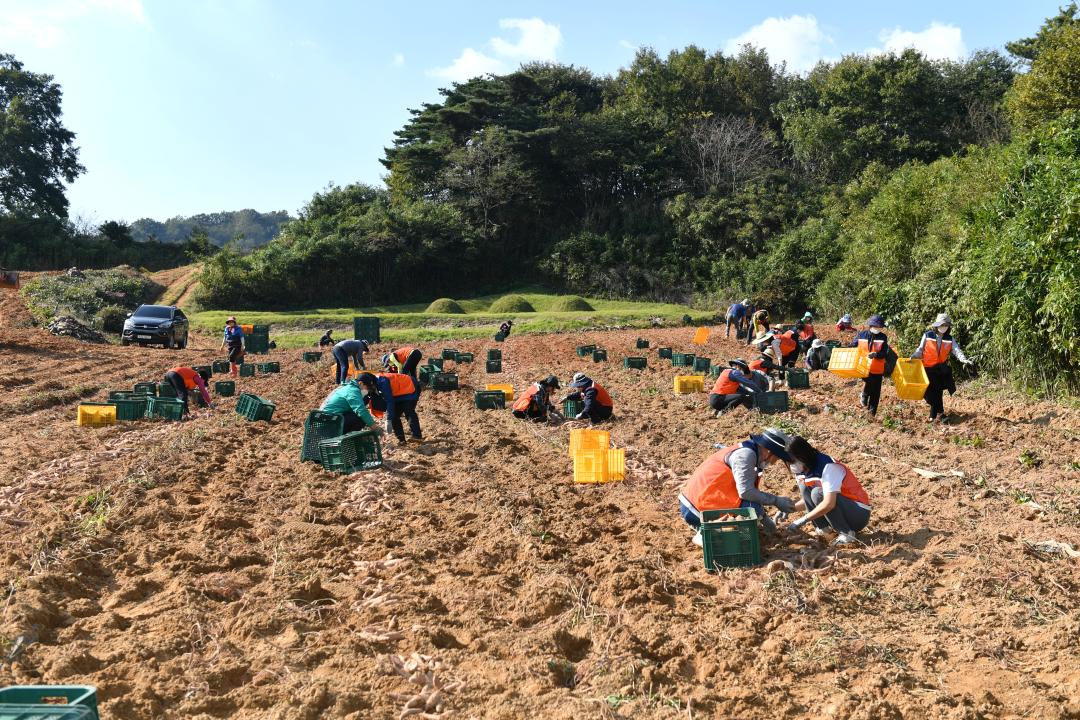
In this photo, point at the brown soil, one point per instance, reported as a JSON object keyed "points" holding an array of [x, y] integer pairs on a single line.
{"points": [[199, 570], [180, 284]]}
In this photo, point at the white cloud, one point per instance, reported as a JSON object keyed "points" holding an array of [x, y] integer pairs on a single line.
{"points": [[797, 40], [399, 59], [937, 42], [539, 40], [44, 21], [626, 44]]}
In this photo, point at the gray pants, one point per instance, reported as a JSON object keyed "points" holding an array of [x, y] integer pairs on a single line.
{"points": [[847, 516]]}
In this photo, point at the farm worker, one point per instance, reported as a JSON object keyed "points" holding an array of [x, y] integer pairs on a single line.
{"points": [[346, 349], [397, 394], [735, 315], [934, 350], [505, 328], [874, 343], [783, 346], [403, 360], [817, 357], [535, 403], [184, 379], [734, 387], [831, 494], [234, 338], [598, 404], [347, 400], [327, 338], [729, 479], [759, 325], [844, 323], [806, 330]]}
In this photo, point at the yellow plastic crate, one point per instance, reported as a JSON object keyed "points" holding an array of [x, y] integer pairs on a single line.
{"points": [[97, 415], [507, 390], [701, 336], [599, 466], [686, 384], [849, 363], [910, 379], [589, 440]]}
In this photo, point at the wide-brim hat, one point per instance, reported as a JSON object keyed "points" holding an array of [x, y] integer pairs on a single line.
{"points": [[807, 316], [739, 363], [581, 381], [775, 441], [942, 319], [764, 337]]}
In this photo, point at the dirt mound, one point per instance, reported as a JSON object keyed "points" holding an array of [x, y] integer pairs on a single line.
{"points": [[571, 303], [446, 306], [199, 569], [511, 304]]}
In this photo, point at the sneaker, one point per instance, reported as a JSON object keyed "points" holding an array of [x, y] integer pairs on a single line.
{"points": [[697, 539], [862, 400], [845, 539]]}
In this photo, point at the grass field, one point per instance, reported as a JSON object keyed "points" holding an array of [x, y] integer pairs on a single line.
{"points": [[409, 323]]}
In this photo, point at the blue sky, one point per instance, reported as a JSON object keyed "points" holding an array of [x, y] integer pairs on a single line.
{"points": [[207, 105]]}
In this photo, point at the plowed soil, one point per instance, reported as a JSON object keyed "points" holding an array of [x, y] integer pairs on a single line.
{"points": [[200, 570]]}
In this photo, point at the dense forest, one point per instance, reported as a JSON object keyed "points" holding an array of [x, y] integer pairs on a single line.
{"points": [[245, 229]]}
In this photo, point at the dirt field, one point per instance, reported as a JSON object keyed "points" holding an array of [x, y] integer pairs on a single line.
{"points": [[199, 570]]}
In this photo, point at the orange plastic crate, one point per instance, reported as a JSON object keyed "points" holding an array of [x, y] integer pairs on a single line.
{"points": [[910, 379], [599, 466], [701, 336], [352, 372], [507, 390], [849, 363], [589, 440]]}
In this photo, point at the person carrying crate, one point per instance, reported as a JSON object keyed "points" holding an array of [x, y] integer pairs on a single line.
{"points": [[346, 349], [234, 339], [831, 494], [875, 344], [934, 349], [734, 387], [396, 394], [535, 403], [729, 479], [184, 379], [403, 360], [598, 404], [347, 400]]}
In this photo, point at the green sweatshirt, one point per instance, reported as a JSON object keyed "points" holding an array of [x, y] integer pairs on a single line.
{"points": [[347, 397]]}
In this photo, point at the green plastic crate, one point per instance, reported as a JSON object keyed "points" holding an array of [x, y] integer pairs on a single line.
{"points": [[260, 330], [48, 702], [730, 543], [702, 364], [444, 381], [715, 370], [682, 359], [637, 363], [665, 352], [771, 402], [798, 379], [641, 344], [834, 343], [131, 408], [247, 370], [499, 337], [254, 407], [312, 357], [599, 355], [320, 426], [225, 388], [435, 363], [145, 388], [351, 452], [583, 350], [164, 408], [120, 394], [494, 366], [494, 354], [366, 328], [269, 367], [221, 367], [257, 344], [449, 354], [572, 407], [207, 371], [490, 399], [464, 357], [166, 390], [425, 373]]}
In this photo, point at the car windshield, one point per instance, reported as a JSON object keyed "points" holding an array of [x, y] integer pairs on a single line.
{"points": [[154, 311]]}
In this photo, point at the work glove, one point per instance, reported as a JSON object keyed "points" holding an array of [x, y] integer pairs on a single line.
{"points": [[780, 516], [797, 524], [784, 504], [581, 416], [873, 356], [768, 525]]}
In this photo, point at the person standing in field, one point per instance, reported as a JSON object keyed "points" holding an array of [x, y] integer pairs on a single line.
{"points": [[934, 350], [234, 339], [875, 344]]}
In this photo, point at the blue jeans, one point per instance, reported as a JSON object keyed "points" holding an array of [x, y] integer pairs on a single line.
{"points": [[692, 519], [342, 360]]}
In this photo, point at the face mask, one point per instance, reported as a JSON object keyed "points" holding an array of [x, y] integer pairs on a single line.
{"points": [[877, 330], [797, 468], [944, 330]]}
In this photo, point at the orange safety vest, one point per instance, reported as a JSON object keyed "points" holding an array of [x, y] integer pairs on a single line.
{"points": [[402, 354], [712, 486], [877, 366], [399, 384], [523, 402], [758, 365], [602, 396], [787, 343], [849, 488], [725, 385], [188, 375], [930, 354], [807, 332]]}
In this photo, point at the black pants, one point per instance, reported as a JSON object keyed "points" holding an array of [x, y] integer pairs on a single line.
{"points": [[408, 409], [790, 358], [177, 382], [533, 412], [352, 422], [411, 363], [847, 516], [941, 379], [723, 403], [871, 393], [599, 413]]}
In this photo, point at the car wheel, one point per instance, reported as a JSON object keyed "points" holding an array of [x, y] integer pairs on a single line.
{"points": [[125, 342], [168, 343], [183, 343]]}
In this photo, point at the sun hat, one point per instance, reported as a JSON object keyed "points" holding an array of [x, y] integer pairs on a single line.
{"points": [[746, 301], [807, 316], [818, 342], [551, 381], [775, 441], [876, 321], [740, 363], [581, 380], [942, 319], [764, 337], [230, 319]]}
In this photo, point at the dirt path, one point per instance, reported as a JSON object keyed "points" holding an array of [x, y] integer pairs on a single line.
{"points": [[180, 285], [199, 570]]}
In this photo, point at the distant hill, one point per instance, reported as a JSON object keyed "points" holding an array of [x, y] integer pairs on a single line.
{"points": [[257, 228]]}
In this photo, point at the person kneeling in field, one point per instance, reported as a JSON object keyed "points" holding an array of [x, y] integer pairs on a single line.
{"points": [[817, 357], [396, 394], [535, 403], [598, 404], [347, 400], [734, 387], [831, 494], [184, 379], [729, 479]]}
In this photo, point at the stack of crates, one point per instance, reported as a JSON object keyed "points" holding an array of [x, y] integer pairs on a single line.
{"points": [[258, 341], [166, 390], [320, 426], [594, 461], [730, 543], [129, 408], [686, 384], [48, 702], [351, 452], [494, 361], [506, 390], [436, 364], [424, 373], [254, 407], [366, 328]]}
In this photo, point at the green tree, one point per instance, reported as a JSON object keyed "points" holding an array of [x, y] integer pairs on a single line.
{"points": [[1029, 48], [1052, 86], [198, 245], [116, 232]]}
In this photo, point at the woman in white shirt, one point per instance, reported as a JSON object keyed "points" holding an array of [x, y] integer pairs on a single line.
{"points": [[831, 494]]}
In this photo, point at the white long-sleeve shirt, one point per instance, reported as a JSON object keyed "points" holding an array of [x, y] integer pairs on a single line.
{"points": [[917, 355]]}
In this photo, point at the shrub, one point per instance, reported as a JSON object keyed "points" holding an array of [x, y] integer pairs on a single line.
{"points": [[111, 318], [511, 304], [445, 306], [571, 303]]}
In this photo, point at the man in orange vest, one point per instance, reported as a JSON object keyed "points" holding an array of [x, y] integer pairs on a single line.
{"points": [[729, 479], [535, 403], [397, 395], [598, 404], [875, 344], [184, 379], [403, 360], [832, 495], [733, 387]]}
